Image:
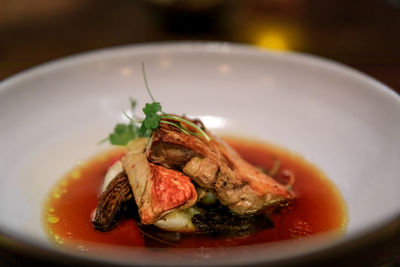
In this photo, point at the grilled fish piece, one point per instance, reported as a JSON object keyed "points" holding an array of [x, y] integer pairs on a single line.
{"points": [[157, 190], [215, 166]]}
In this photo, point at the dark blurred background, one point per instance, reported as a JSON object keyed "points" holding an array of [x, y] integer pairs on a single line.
{"points": [[364, 34]]}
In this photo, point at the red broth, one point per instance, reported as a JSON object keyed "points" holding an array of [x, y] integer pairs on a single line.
{"points": [[319, 207]]}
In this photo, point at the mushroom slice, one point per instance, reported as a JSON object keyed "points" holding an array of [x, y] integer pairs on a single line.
{"points": [[111, 202]]}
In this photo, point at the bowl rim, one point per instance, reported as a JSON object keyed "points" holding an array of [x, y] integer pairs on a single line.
{"points": [[375, 235], [331, 253]]}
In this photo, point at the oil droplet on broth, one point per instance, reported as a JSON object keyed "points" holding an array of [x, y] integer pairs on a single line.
{"points": [[53, 219], [58, 239], [75, 174]]}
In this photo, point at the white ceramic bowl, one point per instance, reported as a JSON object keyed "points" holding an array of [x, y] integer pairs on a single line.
{"points": [[346, 123]]}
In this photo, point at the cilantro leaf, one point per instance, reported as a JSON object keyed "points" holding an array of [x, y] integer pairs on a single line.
{"points": [[152, 119], [152, 108], [123, 133]]}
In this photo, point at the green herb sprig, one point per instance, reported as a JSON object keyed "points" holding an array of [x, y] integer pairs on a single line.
{"points": [[123, 133]]}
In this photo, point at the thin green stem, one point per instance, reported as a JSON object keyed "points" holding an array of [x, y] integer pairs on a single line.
{"points": [[127, 116], [133, 120], [172, 117], [103, 140], [175, 125], [146, 84], [186, 129]]}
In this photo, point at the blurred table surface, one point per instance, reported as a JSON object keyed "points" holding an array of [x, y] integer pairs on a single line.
{"points": [[364, 34]]}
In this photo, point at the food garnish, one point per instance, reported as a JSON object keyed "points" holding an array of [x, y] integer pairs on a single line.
{"points": [[123, 133]]}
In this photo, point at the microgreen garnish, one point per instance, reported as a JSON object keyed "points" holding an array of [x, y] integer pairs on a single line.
{"points": [[146, 83], [123, 133], [152, 119], [182, 127]]}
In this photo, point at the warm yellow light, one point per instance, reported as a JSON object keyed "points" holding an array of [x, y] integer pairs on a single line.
{"points": [[272, 40]]}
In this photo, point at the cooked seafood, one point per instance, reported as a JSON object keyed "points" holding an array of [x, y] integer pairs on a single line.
{"points": [[157, 190], [173, 175], [215, 166], [178, 173]]}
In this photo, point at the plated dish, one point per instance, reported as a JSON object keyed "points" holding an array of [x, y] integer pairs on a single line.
{"points": [[329, 114], [182, 186]]}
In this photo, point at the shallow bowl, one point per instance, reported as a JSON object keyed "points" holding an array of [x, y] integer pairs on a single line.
{"points": [[342, 121]]}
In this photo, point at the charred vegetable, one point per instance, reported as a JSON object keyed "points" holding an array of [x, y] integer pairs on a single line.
{"points": [[221, 222]]}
